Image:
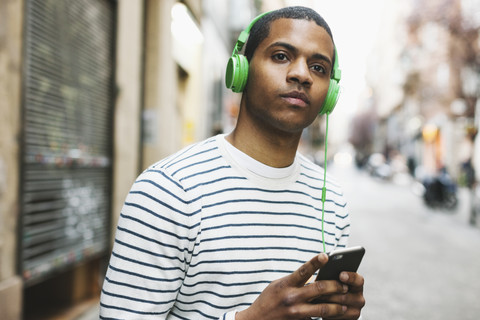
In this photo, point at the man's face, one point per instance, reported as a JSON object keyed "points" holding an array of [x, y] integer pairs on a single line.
{"points": [[289, 76]]}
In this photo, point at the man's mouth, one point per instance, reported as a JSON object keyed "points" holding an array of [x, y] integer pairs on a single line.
{"points": [[296, 98]]}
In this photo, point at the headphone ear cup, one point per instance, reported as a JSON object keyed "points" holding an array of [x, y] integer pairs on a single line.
{"points": [[236, 73], [230, 72], [332, 97]]}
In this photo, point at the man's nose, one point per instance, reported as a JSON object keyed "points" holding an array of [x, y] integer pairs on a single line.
{"points": [[299, 72]]}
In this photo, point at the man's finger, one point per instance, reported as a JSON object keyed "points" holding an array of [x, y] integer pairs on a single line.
{"points": [[350, 313], [300, 276], [353, 279], [355, 300], [323, 310], [320, 291], [326, 310]]}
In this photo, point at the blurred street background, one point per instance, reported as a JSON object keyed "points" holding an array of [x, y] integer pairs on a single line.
{"points": [[420, 263], [94, 91]]}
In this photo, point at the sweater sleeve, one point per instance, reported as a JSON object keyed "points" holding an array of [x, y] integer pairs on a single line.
{"points": [[153, 244]]}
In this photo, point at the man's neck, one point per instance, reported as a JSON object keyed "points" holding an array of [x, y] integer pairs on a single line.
{"points": [[270, 149]]}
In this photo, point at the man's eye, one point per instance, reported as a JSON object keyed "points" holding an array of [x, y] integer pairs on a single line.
{"points": [[318, 68], [280, 56]]}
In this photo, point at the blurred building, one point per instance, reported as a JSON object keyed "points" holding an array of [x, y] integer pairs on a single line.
{"points": [[424, 75], [91, 93]]}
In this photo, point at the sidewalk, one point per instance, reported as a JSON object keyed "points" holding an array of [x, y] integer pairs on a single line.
{"points": [[460, 214]]}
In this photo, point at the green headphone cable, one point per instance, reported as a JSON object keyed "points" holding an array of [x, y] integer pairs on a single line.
{"points": [[324, 189]]}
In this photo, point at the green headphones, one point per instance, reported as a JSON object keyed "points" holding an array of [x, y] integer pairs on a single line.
{"points": [[237, 71]]}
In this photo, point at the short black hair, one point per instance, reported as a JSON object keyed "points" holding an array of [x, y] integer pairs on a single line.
{"points": [[261, 29]]}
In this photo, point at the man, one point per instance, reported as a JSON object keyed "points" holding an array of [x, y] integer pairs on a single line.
{"points": [[231, 227]]}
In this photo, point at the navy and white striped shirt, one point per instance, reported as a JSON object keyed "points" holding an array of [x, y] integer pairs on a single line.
{"points": [[201, 235]]}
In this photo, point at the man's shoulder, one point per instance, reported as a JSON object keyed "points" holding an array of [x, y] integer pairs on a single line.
{"points": [[313, 171], [195, 157], [309, 166], [188, 154]]}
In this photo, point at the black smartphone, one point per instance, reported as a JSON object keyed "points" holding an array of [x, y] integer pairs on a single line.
{"points": [[347, 259]]}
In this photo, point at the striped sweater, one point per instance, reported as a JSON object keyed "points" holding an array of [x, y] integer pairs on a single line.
{"points": [[202, 233]]}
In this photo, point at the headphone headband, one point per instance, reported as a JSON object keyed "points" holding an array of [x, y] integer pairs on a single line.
{"points": [[242, 38]]}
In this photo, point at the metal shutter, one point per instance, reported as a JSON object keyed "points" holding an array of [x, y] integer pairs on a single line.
{"points": [[67, 134]]}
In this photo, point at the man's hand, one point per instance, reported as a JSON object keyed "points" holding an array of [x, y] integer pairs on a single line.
{"points": [[289, 297], [353, 300]]}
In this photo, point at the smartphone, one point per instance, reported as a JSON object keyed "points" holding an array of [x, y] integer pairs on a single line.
{"points": [[347, 259]]}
